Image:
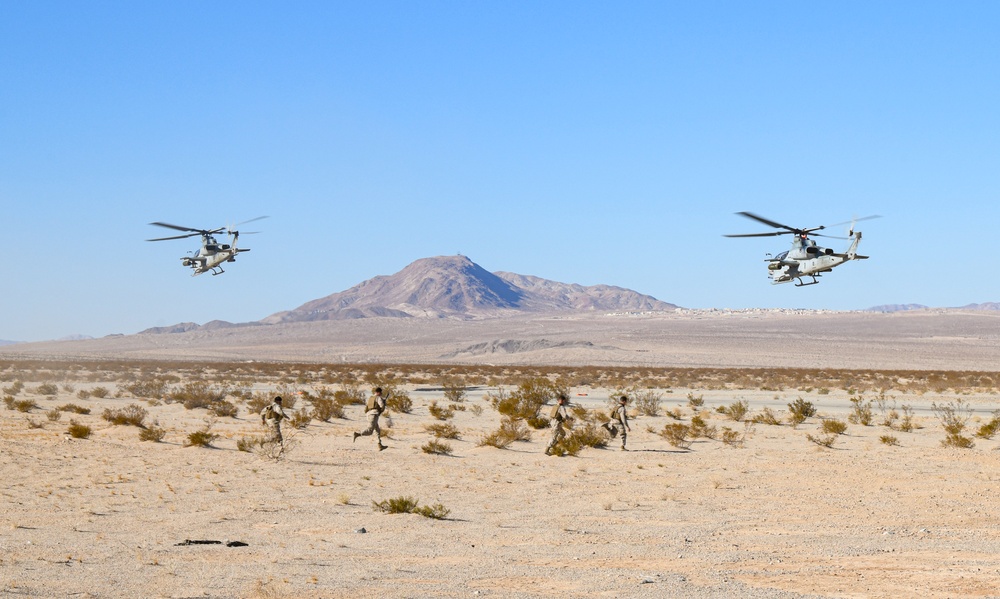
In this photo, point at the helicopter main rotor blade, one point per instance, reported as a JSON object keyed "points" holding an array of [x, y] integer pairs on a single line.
{"points": [[249, 221], [176, 237], [769, 222], [178, 227], [774, 234], [857, 220]]}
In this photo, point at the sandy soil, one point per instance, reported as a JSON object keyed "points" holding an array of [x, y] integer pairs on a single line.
{"points": [[927, 340], [780, 517]]}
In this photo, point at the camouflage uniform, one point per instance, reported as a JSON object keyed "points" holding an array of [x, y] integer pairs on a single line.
{"points": [[619, 418], [376, 407], [561, 417], [273, 415]]}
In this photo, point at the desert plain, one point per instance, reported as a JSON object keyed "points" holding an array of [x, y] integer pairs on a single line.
{"points": [[755, 509]]}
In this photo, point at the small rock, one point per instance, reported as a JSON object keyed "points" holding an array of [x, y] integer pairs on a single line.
{"points": [[361, 531]]}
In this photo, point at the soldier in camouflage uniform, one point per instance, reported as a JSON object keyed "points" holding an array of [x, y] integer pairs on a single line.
{"points": [[560, 415], [374, 409], [272, 415], [619, 418]]}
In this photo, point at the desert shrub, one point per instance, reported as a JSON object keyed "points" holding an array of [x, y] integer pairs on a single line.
{"points": [[132, 414], [71, 407], [436, 511], [14, 388], [906, 423], [396, 505], [699, 428], [988, 430], [83, 394], [734, 438], [53, 415], [822, 440], [326, 409], [23, 405], [889, 440], [434, 446], [47, 389], [248, 443], [954, 416], [822, 391], [767, 416], [834, 427], [643, 401], [258, 401], [78, 431], [799, 410], [861, 411], [455, 391], [527, 400], [442, 431], [100, 392], [589, 434], [677, 435], [510, 430], [8, 401], [349, 394], [201, 438], [299, 419], [153, 433], [439, 412], [154, 388], [477, 410], [737, 410], [695, 402], [398, 401], [224, 409], [197, 394]]}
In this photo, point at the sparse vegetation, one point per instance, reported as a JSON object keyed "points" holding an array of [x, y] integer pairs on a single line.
{"points": [[78, 431], [510, 430], [988, 430], [71, 407], [954, 417], [439, 412], [738, 410], [435, 446], [409, 505], [889, 440], [153, 433], [767, 416], [799, 410], [861, 411], [132, 414], [678, 435], [202, 437], [833, 426], [442, 430], [822, 440], [47, 389]]}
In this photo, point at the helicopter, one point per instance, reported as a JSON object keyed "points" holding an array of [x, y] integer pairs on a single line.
{"points": [[805, 259], [211, 254]]}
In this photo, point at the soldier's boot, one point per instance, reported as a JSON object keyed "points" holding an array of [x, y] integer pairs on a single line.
{"points": [[623, 448], [356, 435], [382, 447]]}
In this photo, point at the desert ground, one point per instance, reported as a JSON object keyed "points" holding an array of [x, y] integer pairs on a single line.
{"points": [[768, 511], [750, 509]]}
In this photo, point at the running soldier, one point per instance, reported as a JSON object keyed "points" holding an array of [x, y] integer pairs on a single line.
{"points": [[619, 418], [272, 415], [561, 416], [374, 408]]}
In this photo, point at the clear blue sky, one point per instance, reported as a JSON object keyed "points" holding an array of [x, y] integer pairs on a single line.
{"points": [[584, 142]]}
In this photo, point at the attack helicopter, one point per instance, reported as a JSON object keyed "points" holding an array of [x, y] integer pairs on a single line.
{"points": [[805, 259], [211, 254]]}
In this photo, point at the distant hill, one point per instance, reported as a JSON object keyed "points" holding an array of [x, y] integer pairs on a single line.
{"points": [[896, 308], [5, 342], [984, 306], [457, 287]]}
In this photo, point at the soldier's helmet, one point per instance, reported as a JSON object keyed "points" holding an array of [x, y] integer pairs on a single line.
{"points": [[278, 399], [623, 399], [563, 398]]}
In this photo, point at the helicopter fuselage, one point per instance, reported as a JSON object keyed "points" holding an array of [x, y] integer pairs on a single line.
{"points": [[806, 259]]}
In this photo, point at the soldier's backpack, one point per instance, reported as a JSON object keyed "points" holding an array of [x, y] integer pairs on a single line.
{"points": [[555, 412], [371, 404], [614, 413]]}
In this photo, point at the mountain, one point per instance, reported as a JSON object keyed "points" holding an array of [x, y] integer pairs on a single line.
{"points": [[983, 306], [5, 342], [457, 287]]}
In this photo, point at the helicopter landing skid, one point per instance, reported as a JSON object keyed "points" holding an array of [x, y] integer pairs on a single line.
{"points": [[801, 284], [214, 274]]}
